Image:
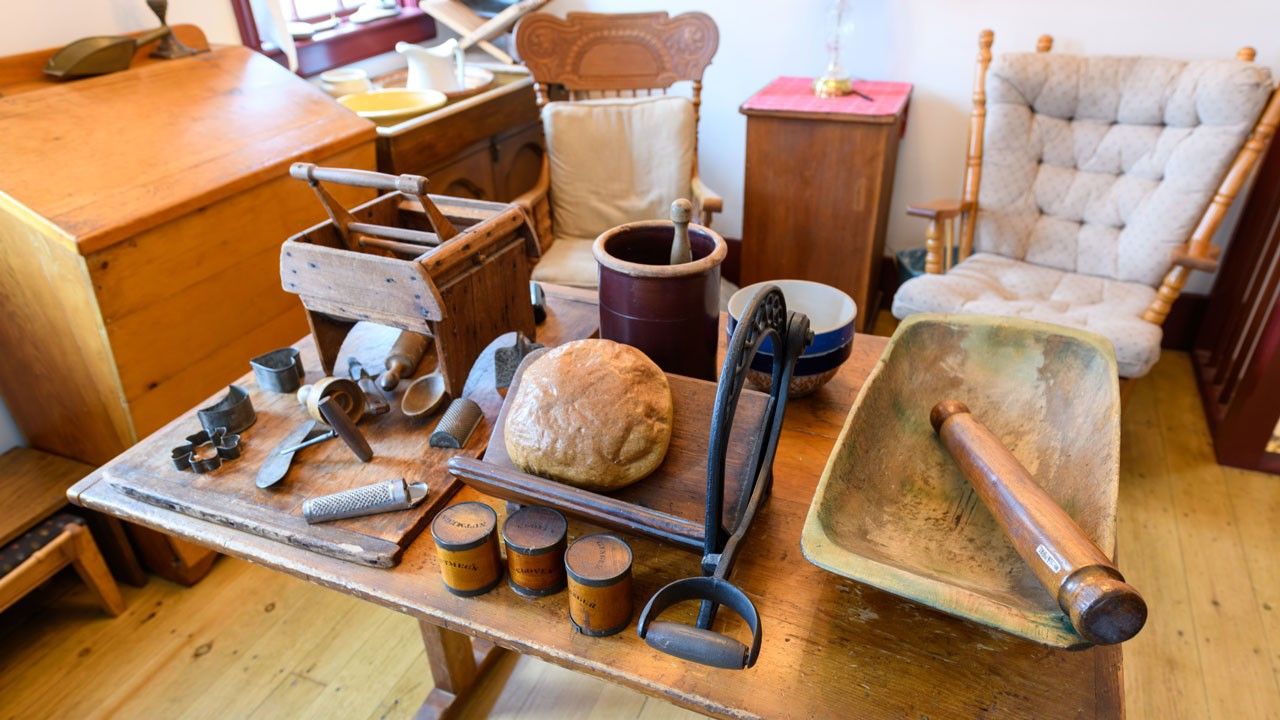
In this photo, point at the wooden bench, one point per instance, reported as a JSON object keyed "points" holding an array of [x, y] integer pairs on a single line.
{"points": [[33, 487]]}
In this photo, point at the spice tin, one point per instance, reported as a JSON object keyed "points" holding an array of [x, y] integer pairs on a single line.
{"points": [[466, 538], [599, 569], [535, 540]]}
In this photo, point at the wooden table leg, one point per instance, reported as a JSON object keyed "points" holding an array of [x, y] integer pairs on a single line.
{"points": [[457, 662]]}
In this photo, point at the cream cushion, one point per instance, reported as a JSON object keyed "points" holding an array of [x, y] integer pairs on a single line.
{"points": [[1102, 165], [612, 161], [994, 285]]}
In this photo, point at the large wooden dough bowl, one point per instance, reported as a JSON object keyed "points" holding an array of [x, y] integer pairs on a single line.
{"points": [[892, 509]]}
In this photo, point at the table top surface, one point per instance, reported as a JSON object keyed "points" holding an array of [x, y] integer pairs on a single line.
{"points": [[793, 97], [832, 647]]}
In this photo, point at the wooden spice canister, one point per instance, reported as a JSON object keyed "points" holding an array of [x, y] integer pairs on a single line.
{"points": [[599, 569], [535, 540], [466, 538]]}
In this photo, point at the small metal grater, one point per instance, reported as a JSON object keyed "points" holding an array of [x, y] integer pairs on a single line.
{"points": [[457, 424], [385, 496]]}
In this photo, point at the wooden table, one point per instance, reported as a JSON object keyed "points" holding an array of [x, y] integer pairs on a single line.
{"points": [[832, 647]]}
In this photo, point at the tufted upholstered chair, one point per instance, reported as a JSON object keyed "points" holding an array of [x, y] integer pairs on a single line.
{"points": [[1093, 186], [619, 148]]}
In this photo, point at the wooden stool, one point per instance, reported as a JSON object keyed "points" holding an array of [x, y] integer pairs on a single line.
{"points": [[33, 487], [44, 550]]}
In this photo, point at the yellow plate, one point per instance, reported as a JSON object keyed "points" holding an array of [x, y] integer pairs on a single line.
{"points": [[392, 104]]}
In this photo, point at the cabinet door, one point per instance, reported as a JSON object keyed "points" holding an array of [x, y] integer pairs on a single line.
{"points": [[517, 161], [469, 175]]}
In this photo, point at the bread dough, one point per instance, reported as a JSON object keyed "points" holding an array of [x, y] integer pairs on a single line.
{"points": [[594, 414]]}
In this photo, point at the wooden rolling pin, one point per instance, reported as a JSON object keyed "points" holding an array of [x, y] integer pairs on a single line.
{"points": [[1101, 606], [403, 359]]}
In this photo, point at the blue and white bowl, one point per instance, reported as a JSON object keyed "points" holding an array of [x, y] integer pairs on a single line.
{"points": [[831, 317]]}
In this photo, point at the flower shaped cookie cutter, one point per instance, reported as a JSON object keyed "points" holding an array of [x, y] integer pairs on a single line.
{"points": [[194, 456]]}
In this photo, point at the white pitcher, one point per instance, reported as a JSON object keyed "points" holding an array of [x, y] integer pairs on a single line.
{"points": [[434, 68]]}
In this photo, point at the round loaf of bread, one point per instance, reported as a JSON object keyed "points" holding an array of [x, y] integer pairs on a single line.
{"points": [[594, 414]]}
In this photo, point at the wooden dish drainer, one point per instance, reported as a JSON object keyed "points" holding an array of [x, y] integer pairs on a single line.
{"points": [[452, 268]]}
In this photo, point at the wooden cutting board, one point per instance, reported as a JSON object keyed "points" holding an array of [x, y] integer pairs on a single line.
{"points": [[229, 496]]}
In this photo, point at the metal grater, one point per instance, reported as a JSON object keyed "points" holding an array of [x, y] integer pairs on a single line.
{"points": [[385, 496], [457, 424]]}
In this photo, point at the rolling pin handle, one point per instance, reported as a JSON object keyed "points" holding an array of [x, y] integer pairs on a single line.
{"points": [[944, 410], [1102, 607]]}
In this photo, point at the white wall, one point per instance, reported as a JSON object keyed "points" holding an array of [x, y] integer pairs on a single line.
{"points": [[931, 43], [31, 25]]}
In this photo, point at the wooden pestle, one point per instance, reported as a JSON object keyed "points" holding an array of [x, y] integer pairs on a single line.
{"points": [[403, 359], [681, 250], [1101, 606]]}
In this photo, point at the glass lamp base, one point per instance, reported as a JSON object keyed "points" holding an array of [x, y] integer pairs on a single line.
{"points": [[832, 86]]}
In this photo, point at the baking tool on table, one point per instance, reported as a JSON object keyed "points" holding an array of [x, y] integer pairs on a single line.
{"points": [[423, 396], [671, 312], [457, 424], [507, 359], [112, 53], [401, 260], [705, 494], [340, 426], [375, 403], [278, 462], [599, 570], [406, 353], [895, 511], [1102, 607], [233, 413], [536, 539], [466, 537], [346, 394], [279, 371], [380, 497], [205, 451]]}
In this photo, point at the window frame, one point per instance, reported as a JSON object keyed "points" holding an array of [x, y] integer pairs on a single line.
{"points": [[346, 44]]}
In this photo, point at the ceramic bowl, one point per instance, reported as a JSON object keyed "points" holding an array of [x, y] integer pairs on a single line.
{"points": [[392, 105], [831, 318], [345, 81]]}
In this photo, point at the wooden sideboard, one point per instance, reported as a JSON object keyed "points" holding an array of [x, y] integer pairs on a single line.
{"points": [[819, 177], [487, 147], [141, 216]]}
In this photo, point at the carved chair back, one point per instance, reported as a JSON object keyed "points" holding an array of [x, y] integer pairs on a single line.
{"points": [[603, 55]]}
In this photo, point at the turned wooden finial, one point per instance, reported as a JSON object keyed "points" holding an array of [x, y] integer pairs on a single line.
{"points": [[1246, 54], [985, 38], [681, 214], [1044, 43]]}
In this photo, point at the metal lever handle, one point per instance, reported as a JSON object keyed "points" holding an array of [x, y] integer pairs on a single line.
{"points": [[698, 644]]}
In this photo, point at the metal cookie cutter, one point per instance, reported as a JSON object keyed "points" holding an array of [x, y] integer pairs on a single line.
{"points": [[279, 371], [385, 496], [233, 413], [188, 456], [457, 424]]}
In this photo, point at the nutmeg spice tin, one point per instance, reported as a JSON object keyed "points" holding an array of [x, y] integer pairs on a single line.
{"points": [[599, 569], [535, 539], [466, 538]]}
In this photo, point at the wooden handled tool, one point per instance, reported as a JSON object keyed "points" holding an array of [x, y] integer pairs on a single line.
{"points": [[1101, 606], [403, 359]]}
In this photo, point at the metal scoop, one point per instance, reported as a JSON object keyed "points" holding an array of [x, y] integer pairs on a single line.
{"points": [[112, 53]]}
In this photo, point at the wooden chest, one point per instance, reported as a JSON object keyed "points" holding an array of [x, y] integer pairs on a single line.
{"points": [[141, 217]]}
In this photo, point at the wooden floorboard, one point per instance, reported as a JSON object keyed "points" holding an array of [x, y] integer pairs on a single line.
{"points": [[1199, 540]]}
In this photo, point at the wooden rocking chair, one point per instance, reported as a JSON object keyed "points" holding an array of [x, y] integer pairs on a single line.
{"points": [[609, 64], [1092, 238]]}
